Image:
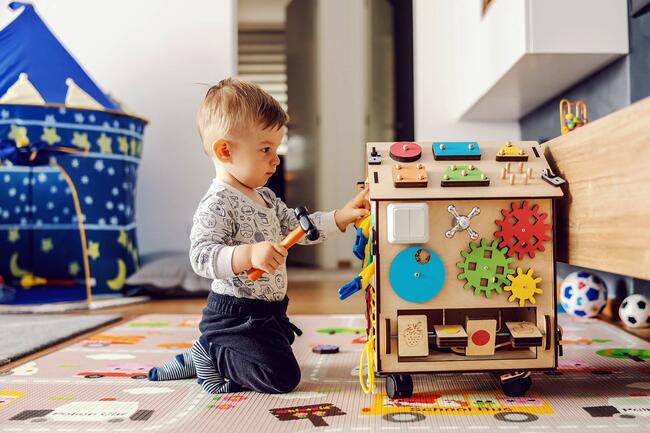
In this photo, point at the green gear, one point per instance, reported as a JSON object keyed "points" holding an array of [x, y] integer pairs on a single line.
{"points": [[485, 268]]}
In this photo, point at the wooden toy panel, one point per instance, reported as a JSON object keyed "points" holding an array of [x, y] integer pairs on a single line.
{"points": [[481, 337], [454, 297], [382, 187], [412, 331]]}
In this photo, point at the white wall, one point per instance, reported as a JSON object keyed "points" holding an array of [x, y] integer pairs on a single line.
{"points": [[485, 48], [439, 27], [151, 54], [341, 70]]}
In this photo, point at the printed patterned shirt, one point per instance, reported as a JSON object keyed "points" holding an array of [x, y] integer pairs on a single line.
{"points": [[225, 218]]}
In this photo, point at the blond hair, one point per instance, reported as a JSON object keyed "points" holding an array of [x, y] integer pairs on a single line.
{"points": [[232, 104]]}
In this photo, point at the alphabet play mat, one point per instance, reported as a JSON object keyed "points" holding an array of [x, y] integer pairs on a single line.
{"points": [[99, 385]]}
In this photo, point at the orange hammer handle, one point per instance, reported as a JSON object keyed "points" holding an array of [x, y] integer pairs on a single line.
{"points": [[288, 242]]}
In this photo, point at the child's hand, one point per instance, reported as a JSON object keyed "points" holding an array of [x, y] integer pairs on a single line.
{"points": [[268, 256], [356, 208]]}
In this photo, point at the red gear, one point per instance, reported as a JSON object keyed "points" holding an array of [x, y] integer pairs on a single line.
{"points": [[517, 225]]}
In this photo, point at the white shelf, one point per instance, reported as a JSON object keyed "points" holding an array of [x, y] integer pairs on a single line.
{"points": [[521, 53]]}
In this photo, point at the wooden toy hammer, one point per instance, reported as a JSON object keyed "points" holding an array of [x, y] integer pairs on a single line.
{"points": [[305, 227]]}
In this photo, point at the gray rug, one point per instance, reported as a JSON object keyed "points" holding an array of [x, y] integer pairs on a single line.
{"points": [[22, 334]]}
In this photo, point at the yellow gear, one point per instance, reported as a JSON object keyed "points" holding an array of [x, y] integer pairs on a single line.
{"points": [[523, 286]]}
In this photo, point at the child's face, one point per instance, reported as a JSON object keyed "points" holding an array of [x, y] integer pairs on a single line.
{"points": [[254, 155]]}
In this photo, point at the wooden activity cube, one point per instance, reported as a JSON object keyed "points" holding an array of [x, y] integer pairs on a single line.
{"points": [[464, 263]]}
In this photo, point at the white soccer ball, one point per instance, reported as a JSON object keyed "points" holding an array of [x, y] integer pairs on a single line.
{"points": [[583, 294], [635, 311]]}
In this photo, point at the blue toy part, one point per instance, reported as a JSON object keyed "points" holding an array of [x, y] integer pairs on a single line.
{"points": [[350, 288], [360, 242], [416, 279], [360, 282], [456, 150]]}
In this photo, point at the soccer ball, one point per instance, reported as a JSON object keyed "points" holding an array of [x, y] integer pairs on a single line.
{"points": [[635, 311], [583, 294]]}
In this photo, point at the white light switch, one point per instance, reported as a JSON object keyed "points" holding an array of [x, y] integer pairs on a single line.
{"points": [[408, 223]]}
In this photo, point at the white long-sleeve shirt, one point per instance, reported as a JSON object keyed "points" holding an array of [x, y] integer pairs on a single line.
{"points": [[225, 218]]}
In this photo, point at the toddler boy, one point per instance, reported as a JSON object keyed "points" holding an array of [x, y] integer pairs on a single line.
{"points": [[246, 335]]}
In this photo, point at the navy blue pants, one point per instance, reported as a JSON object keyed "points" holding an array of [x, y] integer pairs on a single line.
{"points": [[250, 342]]}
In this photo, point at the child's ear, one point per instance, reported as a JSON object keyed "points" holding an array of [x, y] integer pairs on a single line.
{"points": [[221, 150]]}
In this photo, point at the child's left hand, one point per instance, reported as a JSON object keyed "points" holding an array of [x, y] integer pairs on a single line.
{"points": [[356, 208]]}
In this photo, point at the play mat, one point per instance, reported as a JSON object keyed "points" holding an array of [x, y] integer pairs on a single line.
{"points": [[98, 385]]}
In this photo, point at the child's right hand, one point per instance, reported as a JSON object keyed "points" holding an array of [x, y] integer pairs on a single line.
{"points": [[268, 256]]}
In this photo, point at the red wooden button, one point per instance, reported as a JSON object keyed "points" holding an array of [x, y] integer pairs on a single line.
{"points": [[405, 151], [480, 338]]}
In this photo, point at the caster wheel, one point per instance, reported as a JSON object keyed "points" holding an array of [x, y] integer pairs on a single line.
{"points": [[399, 386], [516, 385]]}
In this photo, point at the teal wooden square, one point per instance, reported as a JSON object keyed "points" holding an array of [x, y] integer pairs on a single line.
{"points": [[456, 150]]}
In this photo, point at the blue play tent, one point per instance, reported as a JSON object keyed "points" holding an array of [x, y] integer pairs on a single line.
{"points": [[69, 158]]}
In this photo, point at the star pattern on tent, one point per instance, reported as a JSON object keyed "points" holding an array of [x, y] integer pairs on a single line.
{"points": [[4, 114], [19, 135], [123, 144], [93, 250], [104, 143], [123, 238], [46, 245], [13, 235], [73, 268], [81, 140], [50, 136]]}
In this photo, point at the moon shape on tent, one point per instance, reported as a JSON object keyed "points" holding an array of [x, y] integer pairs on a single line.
{"points": [[118, 282], [14, 268]]}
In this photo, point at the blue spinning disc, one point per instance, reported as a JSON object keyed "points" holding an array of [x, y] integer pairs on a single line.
{"points": [[416, 274]]}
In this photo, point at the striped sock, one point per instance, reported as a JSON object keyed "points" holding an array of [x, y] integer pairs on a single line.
{"points": [[209, 377], [181, 367]]}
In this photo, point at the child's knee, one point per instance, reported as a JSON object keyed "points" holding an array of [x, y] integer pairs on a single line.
{"points": [[292, 379], [285, 381]]}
